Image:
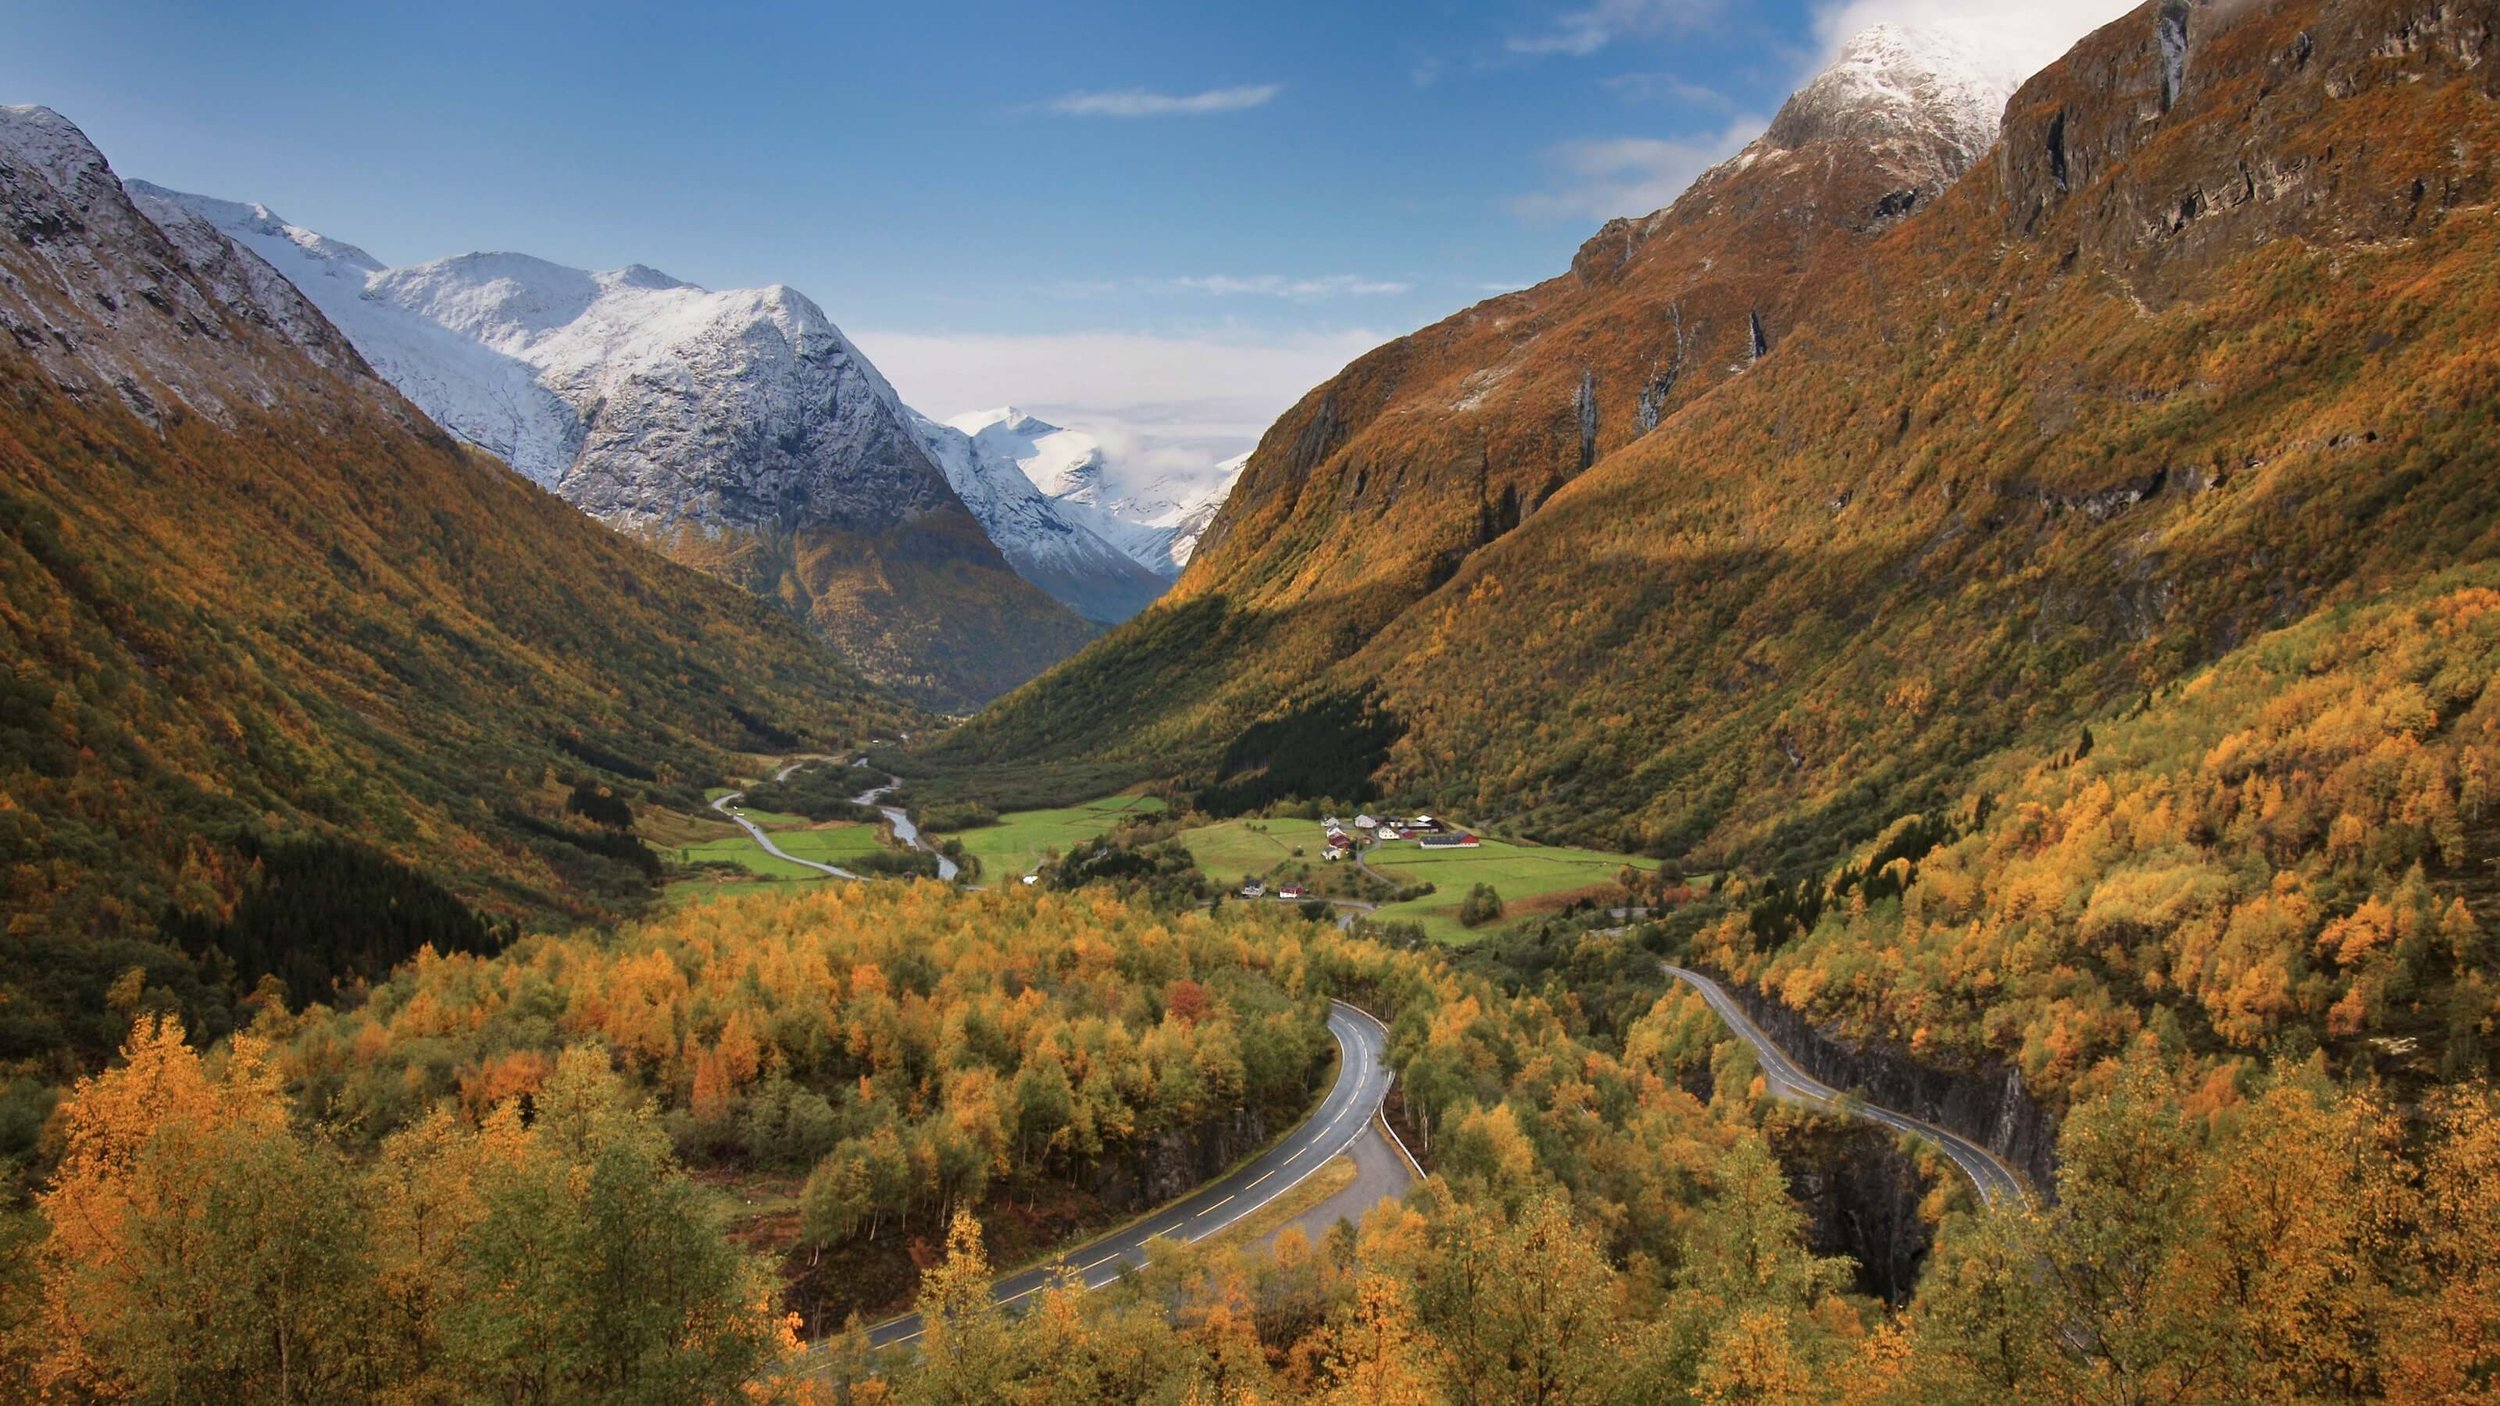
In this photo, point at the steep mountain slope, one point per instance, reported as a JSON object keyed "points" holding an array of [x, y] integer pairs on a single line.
{"points": [[1366, 496], [1793, 500], [1048, 543], [740, 430], [248, 592]]}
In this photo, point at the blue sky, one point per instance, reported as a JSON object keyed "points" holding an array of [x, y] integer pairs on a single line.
{"points": [[1190, 211]]}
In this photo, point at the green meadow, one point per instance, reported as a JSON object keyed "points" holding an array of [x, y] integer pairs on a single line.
{"points": [[1012, 847], [1530, 878], [832, 844]]}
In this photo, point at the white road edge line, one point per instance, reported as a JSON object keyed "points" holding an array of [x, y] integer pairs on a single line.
{"points": [[1362, 1045]]}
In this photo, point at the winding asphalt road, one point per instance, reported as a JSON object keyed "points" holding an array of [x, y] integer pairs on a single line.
{"points": [[726, 805], [904, 830], [1996, 1182], [1345, 1117]]}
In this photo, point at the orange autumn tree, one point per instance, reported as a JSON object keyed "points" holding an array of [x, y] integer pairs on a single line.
{"points": [[197, 1246], [202, 1247]]}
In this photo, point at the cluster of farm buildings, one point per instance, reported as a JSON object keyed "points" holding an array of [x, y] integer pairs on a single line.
{"points": [[1347, 842]]}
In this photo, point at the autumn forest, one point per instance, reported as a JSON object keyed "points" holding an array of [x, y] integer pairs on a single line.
{"points": [[1886, 793]]}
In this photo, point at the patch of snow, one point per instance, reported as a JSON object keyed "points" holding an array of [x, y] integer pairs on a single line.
{"points": [[1156, 518], [1052, 543], [488, 397], [49, 144], [1903, 81]]}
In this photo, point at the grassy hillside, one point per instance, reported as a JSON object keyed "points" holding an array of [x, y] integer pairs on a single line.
{"points": [[245, 591], [927, 608]]}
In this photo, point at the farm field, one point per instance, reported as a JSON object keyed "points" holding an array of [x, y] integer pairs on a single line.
{"points": [[832, 844], [1010, 849], [1230, 849], [678, 895], [1530, 878]]}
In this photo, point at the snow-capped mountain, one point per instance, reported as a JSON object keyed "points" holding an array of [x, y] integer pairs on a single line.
{"points": [[1905, 89], [1156, 519], [1050, 544], [644, 401], [657, 405], [740, 430]]}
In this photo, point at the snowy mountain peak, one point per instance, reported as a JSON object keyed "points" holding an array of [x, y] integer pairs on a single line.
{"points": [[504, 300], [1061, 463], [1057, 545], [260, 220], [1155, 518], [1006, 419], [47, 142], [644, 276], [1896, 84]]}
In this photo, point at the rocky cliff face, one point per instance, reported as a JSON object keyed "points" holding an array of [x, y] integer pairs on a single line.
{"points": [[739, 430], [1988, 1105], [2196, 133], [104, 285], [1864, 1197]]}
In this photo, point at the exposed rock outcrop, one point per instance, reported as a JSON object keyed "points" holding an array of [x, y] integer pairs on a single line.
{"points": [[1987, 1104]]}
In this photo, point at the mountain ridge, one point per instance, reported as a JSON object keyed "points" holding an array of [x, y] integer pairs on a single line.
{"points": [[1048, 544], [1367, 495], [741, 431]]}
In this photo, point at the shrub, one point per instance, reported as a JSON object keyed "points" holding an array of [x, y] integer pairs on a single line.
{"points": [[1481, 906]]}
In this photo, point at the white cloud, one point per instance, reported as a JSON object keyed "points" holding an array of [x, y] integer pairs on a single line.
{"points": [[1631, 175], [2017, 37], [1583, 32], [1137, 102], [1165, 404]]}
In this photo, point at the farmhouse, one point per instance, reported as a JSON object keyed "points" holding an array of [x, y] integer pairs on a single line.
{"points": [[1365, 822]]}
